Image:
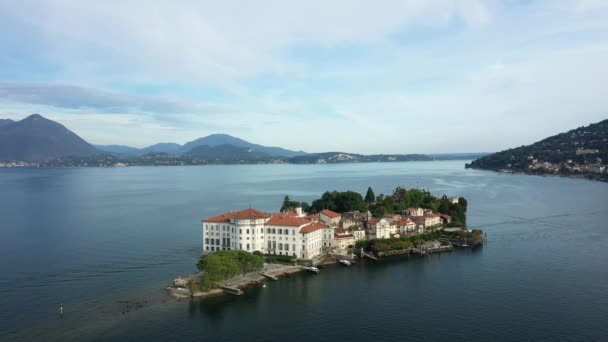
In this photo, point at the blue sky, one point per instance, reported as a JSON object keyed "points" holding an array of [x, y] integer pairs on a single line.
{"points": [[356, 76]]}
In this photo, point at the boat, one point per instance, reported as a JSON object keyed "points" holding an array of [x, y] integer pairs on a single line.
{"points": [[312, 269], [345, 262]]}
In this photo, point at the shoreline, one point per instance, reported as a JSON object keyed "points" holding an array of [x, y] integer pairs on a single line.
{"points": [[277, 270], [517, 172]]}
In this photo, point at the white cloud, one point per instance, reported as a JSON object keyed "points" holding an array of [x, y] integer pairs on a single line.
{"points": [[425, 76]]}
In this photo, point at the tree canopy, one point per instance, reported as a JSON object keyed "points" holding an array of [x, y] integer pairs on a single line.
{"points": [[226, 264], [369, 196]]}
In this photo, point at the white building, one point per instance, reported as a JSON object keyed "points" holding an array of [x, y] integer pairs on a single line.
{"points": [[380, 229], [253, 230], [414, 211]]}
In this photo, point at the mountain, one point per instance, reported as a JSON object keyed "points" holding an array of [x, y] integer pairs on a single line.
{"points": [[119, 150], [225, 139], [4, 122], [36, 139], [162, 148], [581, 152], [228, 153]]}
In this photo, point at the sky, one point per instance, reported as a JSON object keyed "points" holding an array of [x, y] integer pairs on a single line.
{"points": [[343, 75]]}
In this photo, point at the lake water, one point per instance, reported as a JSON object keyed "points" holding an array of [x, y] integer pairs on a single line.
{"points": [[93, 238]]}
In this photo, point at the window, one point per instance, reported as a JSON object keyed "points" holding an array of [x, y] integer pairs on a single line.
{"points": [[268, 230], [294, 249], [293, 232], [247, 246], [286, 232], [287, 247], [206, 241], [240, 231], [247, 231], [280, 246], [217, 242], [280, 231]]}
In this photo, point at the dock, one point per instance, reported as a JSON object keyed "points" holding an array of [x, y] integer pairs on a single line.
{"points": [[312, 269], [369, 255], [232, 290], [268, 276]]}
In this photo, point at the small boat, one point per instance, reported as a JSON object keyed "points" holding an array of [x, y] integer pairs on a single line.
{"points": [[345, 262], [313, 269]]}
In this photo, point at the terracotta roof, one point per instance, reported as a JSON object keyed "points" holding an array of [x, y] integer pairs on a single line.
{"points": [[245, 214], [330, 213], [372, 220], [286, 220], [343, 236], [313, 217], [312, 227]]}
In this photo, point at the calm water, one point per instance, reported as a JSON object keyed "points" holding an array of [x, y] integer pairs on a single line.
{"points": [[92, 238]]}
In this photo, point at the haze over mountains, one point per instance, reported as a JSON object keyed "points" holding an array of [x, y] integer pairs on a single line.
{"points": [[36, 139]]}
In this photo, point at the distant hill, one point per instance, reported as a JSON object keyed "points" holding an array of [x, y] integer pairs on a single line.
{"points": [[4, 122], [210, 140], [119, 150], [581, 152], [228, 153], [36, 139], [225, 139], [162, 148]]}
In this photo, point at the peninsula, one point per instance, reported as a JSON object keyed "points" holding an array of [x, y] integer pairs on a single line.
{"points": [[581, 152], [338, 227]]}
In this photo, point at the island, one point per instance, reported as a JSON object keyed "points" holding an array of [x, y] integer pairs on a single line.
{"points": [[248, 246], [581, 152]]}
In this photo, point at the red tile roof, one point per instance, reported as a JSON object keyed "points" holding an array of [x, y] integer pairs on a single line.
{"points": [[313, 217], [330, 214], [312, 227], [245, 214], [286, 220]]}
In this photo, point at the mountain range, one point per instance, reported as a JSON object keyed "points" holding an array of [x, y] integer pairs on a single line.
{"points": [[581, 152], [212, 140], [36, 139]]}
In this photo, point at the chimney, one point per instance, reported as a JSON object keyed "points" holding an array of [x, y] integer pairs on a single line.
{"points": [[299, 212]]}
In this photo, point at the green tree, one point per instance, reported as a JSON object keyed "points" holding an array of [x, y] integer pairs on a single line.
{"points": [[370, 197], [192, 287]]}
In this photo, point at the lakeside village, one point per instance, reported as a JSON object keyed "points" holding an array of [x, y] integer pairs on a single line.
{"points": [[250, 246]]}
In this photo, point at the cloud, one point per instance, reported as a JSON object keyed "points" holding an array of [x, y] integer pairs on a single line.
{"points": [[103, 101], [217, 43], [384, 76]]}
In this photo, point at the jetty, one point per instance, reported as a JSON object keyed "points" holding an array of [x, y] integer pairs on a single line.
{"points": [[312, 269], [232, 290], [370, 256], [268, 276]]}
